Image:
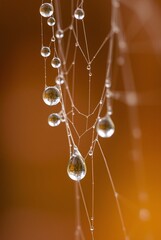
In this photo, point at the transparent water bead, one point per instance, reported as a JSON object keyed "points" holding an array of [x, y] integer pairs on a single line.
{"points": [[46, 10], [54, 119], [76, 167], [59, 34], [51, 96], [56, 62], [105, 127], [53, 39], [45, 52], [51, 21], [59, 79], [79, 14]]}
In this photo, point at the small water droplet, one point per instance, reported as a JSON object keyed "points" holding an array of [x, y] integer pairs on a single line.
{"points": [[105, 127], [51, 21], [59, 79], [88, 67], [79, 14], [45, 52], [90, 74], [53, 39], [51, 96], [90, 152], [46, 10], [76, 167], [144, 214], [54, 119], [56, 62], [59, 34], [108, 93], [92, 228], [108, 83], [76, 44]]}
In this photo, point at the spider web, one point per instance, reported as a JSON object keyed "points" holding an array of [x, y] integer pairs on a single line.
{"points": [[85, 98]]}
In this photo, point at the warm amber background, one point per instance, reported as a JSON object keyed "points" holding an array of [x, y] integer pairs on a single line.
{"points": [[36, 196]]}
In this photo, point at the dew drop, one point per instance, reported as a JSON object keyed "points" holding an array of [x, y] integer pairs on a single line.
{"points": [[90, 74], [51, 96], [56, 62], [45, 51], [46, 10], [54, 119], [108, 83], [53, 39], [144, 214], [90, 152], [59, 34], [59, 79], [88, 67], [51, 21], [92, 228], [105, 127], [76, 167], [79, 14]]}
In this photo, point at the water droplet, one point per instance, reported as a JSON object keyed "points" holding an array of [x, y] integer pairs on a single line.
{"points": [[79, 14], [46, 10], [62, 116], [108, 93], [90, 152], [53, 39], [76, 44], [54, 119], [76, 167], [56, 62], [59, 34], [90, 74], [144, 214], [45, 51], [59, 79], [51, 21], [105, 127], [88, 67], [108, 83], [92, 228], [51, 96]]}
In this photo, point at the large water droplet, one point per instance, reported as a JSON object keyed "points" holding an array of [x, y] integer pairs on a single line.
{"points": [[79, 14], [76, 167], [46, 10], [54, 119], [105, 127], [51, 96]]}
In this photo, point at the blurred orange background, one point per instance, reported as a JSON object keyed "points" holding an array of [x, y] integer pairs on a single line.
{"points": [[37, 199]]}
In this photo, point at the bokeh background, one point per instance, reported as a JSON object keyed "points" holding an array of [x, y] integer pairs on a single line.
{"points": [[37, 199]]}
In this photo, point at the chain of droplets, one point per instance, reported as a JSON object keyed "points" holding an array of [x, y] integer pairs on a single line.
{"points": [[52, 95]]}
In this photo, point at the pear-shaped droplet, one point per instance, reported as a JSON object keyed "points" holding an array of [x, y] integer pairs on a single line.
{"points": [[56, 62], [46, 10], [59, 34], [105, 127], [76, 167], [51, 96], [51, 21], [45, 51], [54, 119], [79, 14]]}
